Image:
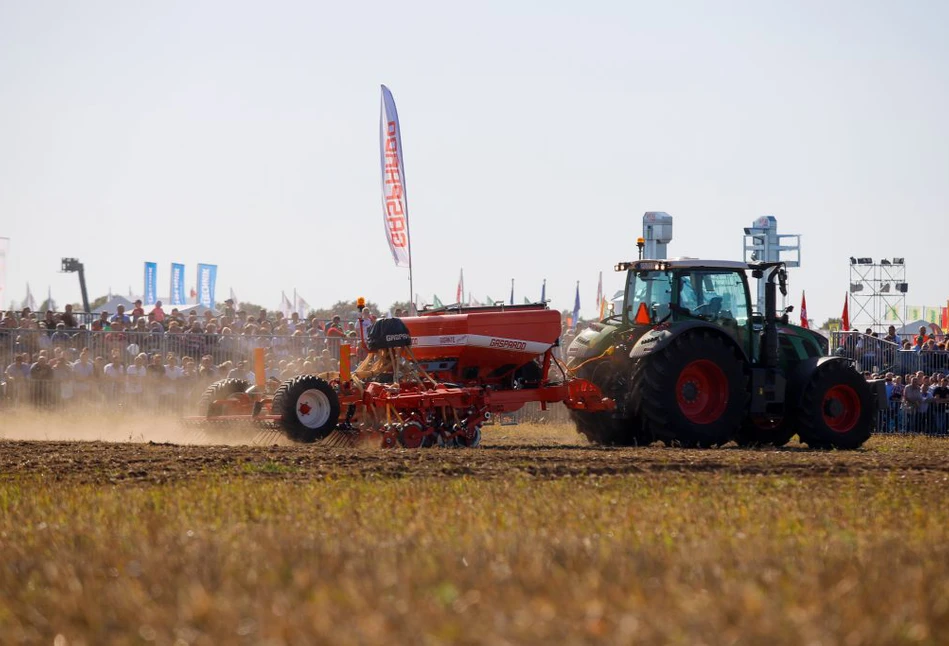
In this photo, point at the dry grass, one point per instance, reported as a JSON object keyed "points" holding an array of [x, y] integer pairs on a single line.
{"points": [[261, 552]]}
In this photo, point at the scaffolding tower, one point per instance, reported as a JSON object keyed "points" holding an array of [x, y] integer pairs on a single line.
{"points": [[877, 293]]}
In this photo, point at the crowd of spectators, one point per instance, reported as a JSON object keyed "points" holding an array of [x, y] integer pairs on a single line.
{"points": [[157, 358], [918, 403]]}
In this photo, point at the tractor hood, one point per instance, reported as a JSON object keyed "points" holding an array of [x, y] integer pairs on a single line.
{"points": [[593, 341]]}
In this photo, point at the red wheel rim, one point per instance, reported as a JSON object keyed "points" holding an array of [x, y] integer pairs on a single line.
{"points": [[702, 392], [412, 435], [841, 408]]}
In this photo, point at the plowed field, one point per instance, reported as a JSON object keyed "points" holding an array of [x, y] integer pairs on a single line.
{"points": [[143, 532]]}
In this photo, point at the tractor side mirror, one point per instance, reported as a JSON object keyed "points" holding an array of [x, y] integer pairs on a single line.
{"points": [[783, 281]]}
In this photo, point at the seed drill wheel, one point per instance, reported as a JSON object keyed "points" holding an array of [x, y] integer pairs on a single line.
{"points": [[836, 408], [219, 390], [760, 431], [470, 439], [412, 435], [308, 408], [693, 391]]}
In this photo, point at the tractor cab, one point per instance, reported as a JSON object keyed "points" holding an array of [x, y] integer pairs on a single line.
{"points": [[673, 291]]}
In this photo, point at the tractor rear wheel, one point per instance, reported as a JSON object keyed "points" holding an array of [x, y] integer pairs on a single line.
{"points": [[836, 408], [693, 391], [308, 408], [219, 390], [756, 431]]}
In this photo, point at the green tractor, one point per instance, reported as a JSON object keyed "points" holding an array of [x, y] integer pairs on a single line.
{"points": [[688, 363]]}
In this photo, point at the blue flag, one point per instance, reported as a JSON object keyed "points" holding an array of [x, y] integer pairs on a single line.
{"points": [[151, 283], [576, 308], [177, 293], [207, 277]]}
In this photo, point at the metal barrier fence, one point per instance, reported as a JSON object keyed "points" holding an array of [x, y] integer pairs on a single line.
{"points": [[931, 418], [142, 370], [876, 355]]}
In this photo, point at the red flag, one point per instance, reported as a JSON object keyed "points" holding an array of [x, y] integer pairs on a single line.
{"points": [[945, 318], [803, 311], [460, 292], [845, 319]]}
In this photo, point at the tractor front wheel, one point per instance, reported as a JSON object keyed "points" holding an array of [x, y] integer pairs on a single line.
{"points": [[693, 391], [308, 408]]}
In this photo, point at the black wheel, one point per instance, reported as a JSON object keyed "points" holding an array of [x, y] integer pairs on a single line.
{"points": [[308, 408], [620, 428], [836, 408], [762, 431], [693, 391], [219, 390]]}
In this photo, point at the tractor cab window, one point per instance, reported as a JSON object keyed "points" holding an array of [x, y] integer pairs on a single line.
{"points": [[713, 295], [653, 289]]}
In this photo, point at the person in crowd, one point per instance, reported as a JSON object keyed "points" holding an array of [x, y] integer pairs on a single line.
{"points": [[335, 327], [82, 376], [41, 381], [113, 375], [62, 379], [135, 376], [940, 399], [138, 311], [17, 376], [120, 315], [157, 313], [912, 396], [69, 318]]}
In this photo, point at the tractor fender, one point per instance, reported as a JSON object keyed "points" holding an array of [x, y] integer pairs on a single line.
{"points": [[663, 334], [802, 373]]}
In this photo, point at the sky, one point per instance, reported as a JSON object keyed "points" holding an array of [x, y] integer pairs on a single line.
{"points": [[535, 134]]}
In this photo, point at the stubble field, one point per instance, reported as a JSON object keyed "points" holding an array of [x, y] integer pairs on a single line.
{"points": [[535, 537]]}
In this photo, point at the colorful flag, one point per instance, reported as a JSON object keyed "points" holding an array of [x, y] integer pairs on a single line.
{"points": [[30, 301], [914, 313], [151, 283], [299, 305], [845, 318], [233, 297], [576, 308], [603, 307], [286, 307], [599, 293], [945, 317], [177, 293], [460, 292], [4, 247], [394, 203], [891, 313], [207, 279], [543, 292], [932, 314], [803, 311], [472, 301], [437, 302]]}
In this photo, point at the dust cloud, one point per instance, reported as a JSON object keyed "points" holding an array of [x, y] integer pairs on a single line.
{"points": [[131, 427]]}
